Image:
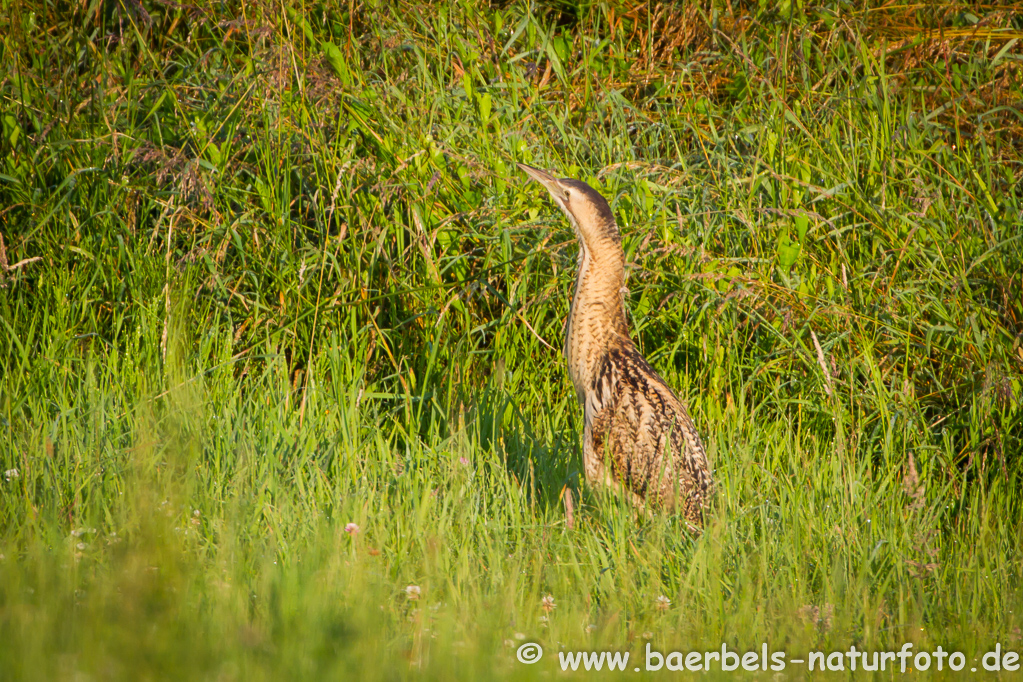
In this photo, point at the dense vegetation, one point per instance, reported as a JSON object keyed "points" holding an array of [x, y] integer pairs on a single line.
{"points": [[268, 271]]}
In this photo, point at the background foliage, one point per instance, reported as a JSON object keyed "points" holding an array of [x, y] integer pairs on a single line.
{"points": [[268, 269]]}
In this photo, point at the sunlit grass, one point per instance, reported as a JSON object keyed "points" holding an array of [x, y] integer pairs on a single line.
{"points": [[279, 381]]}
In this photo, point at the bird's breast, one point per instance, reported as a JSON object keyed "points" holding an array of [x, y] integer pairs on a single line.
{"points": [[597, 314], [591, 326]]}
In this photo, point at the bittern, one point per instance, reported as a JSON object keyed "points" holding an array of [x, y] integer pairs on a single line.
{"points": [[638, 436]]}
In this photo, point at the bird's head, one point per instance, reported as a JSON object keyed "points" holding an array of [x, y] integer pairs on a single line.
{"points": [[588, 212]]}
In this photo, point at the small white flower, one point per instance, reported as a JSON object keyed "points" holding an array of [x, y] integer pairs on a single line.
{"points": [[12, 473], [352, 529], [663, 603], [519, 636], [547, 603], [413, 592]]}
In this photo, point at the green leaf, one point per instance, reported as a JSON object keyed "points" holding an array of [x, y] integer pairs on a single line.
{"points": [[500, 173], [801, 223], [485, 102], [300, 20], [337, 61], [788, 251], [213, 152], [552, 55], [265, 196], [11, 130]]}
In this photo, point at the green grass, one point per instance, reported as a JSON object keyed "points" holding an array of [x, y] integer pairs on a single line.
{"points": [[268, 270]]}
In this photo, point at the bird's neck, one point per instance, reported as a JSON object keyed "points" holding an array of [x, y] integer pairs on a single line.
{"points": [[597, 317]]}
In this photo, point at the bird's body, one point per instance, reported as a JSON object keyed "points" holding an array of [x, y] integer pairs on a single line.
{"points": [[637, 433]]}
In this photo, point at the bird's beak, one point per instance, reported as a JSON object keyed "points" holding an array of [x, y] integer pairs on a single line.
{"points": [[544, 178]]}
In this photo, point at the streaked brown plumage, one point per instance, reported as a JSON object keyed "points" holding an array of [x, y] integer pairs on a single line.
{"points": [[633, 420]]}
